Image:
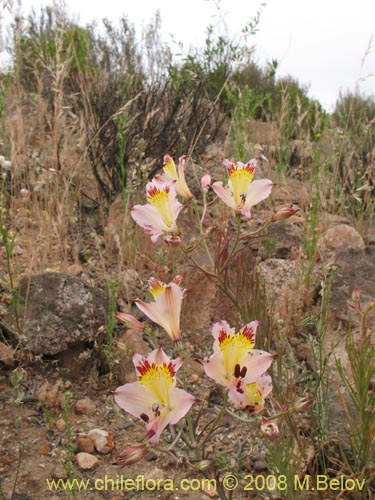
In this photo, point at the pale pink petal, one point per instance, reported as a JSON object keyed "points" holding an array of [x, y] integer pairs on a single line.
{"points": [[154, 236], [265, 385], [159, 357], [257, 363], [206, 181], [234, 395], [138, 359], [182, 402], [165, 310], [217, 329], [152, 311], [225, 194], [215, 369], [156, 426], [149, 218], [258, 191], [134, 399]]}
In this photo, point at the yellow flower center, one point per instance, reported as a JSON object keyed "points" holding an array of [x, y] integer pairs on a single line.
{"points": [[157, 379], [253, 396], [234, 348], [159, 199], [156, 287], [240, 178], [170, 169]]}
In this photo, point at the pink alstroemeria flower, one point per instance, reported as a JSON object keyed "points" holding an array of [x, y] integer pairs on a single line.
{"points": [[254, 395], [154, 397], [235, 363], [206, 181], [160, 214], [165, 310], [171, 172], [241, 193], [130, 321]]}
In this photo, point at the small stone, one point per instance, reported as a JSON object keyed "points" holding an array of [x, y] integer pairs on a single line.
{"points": [[85, 461], [85, 444], [45, 447], [84, 406], [60, 425], [75, 269], [5, 460], [103, 440], [259, 465], [59, 472], [50, 394], [194, 378], [6, 355]]}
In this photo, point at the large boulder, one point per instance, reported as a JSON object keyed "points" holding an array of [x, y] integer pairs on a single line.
{"points": [[355, 268], [337, 238], [59, 311]]}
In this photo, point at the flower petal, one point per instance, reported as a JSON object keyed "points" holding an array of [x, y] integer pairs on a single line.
{"points": [[134, 399], [258, 191], [166, 309], [182, 402], [149, 218], [225, 194], [257, 363], [215, 369]]}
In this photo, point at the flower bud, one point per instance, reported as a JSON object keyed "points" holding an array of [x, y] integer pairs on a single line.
{"points": [[203, 465], [284, 213], [303, 403], [173, 240], [206, 181], [131, 322], [356, 298], [132, 455], [269, 429]]}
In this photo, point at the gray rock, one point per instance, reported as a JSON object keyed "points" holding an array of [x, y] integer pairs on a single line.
{"points": [[355, 268], [59, 310], [281, 240], [338, 238]]}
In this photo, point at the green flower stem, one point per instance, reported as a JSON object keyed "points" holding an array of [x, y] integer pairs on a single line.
{"points": [[188, 416], [217, 420], [200, 227], [186, 253], [234, 245], [262, 228]]}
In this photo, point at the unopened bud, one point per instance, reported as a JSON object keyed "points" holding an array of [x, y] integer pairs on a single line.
{"points": [[132, 455], [130, 321], [356, 298], [206, 181], [284, 213], [303, 403], [166, 159], [269, 429], [203, 465], [173, 240]]}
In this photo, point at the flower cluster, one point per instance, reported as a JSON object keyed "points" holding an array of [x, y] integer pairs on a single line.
{"points": [[235, 364], [160, 214], [154, 397]]}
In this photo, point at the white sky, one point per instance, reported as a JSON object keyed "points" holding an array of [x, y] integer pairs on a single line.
{"points": [[321, 43]]}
